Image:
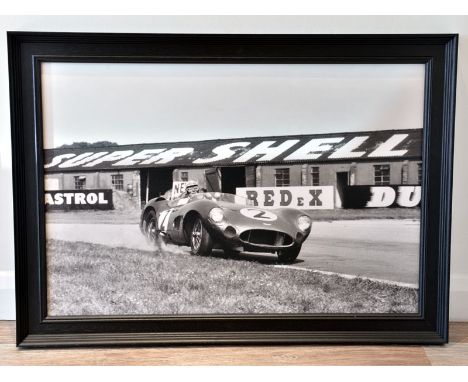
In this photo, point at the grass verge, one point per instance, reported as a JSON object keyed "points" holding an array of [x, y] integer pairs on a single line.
{"points": [[91, 279]]}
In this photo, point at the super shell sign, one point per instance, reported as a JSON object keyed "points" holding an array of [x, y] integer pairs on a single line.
{"points": [[375, 145]]}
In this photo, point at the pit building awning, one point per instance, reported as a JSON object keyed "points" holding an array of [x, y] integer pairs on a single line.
{"points": [[314, 148]]}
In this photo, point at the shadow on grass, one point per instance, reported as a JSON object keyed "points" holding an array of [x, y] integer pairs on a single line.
{"points": [[260, 258], [264, 258]]}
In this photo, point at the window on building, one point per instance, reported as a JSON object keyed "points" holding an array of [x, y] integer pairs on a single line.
{"points": [[80, 182], [184, 176], [315, 176], [419, 173], [382, 175], [282, 177], [117, 182]]}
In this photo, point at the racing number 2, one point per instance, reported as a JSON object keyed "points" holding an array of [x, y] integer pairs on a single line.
{"points": [[258, 214]]}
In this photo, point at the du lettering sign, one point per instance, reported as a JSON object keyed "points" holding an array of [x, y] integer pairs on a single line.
{"points": [[382, 196], [301, 197]]}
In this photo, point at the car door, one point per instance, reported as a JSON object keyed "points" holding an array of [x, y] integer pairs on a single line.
{"points": [[168, 219]]}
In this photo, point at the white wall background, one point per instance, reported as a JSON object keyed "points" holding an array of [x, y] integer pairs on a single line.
{"points": [[245, 24]]}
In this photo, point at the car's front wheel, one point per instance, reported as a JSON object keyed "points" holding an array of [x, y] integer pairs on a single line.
{"points": [[200, 239], [287, 256]]}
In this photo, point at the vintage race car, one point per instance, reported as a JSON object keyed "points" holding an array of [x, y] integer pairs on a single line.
{"points": [[209, 220]]}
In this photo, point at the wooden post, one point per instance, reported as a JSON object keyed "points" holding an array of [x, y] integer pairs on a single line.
{"points": [[147, 185], [304, 168], [258, 176]]}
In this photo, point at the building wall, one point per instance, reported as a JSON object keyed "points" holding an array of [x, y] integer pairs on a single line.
{"points": [[267, 175], [195, 174], [94, 180], [363, 173], [300, 175], [413, 170], [327, 173]]}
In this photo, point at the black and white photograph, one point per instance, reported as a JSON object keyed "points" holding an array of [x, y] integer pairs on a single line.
{"points": [[181, 189]]}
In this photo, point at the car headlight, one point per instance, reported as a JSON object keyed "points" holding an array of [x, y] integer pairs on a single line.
{"points": [[217, 215], [304, 222]]}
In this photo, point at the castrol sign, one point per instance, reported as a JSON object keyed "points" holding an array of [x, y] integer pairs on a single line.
{"points": [[79, 200]]}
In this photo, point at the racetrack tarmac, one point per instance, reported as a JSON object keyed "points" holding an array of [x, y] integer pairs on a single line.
{"points": [[386, 249]]}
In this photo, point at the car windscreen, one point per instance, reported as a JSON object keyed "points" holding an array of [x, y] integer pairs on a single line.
{"points": [[220, 196]]}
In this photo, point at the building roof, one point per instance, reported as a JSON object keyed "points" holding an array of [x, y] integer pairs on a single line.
{"points": [[314, 148]]}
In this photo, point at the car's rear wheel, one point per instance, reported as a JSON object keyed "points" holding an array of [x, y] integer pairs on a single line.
{"points": [[151, 229], [200, 239], [287, 256]]}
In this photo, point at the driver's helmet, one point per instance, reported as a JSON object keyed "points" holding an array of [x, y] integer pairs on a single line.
{"points": [[191, 188]]}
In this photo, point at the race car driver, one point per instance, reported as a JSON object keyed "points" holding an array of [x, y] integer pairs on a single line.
{"points": [[191, 188]]}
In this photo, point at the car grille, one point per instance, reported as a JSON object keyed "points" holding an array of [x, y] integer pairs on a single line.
{"points": [[266, 237]]}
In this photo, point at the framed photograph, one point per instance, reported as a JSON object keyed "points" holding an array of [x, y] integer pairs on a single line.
{"points": [[231, 189]]}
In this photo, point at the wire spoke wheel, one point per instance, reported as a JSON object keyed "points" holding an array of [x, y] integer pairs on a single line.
{"points": [[151, 231], [152, 234], [197, 233], [200, 239]]}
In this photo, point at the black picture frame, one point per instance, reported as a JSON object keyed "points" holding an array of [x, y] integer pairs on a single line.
{"points": [[438, 52]]}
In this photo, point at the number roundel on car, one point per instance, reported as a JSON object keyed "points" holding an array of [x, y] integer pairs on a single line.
{"points": [[255, 213]]}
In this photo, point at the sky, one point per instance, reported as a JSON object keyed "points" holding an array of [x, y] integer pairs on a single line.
{"points": [[147, 103]]}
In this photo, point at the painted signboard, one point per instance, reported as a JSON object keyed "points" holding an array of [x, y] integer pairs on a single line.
{"points": [[178, 188], [79, 200], [300, 197], [369, 145], [381, 196]]}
